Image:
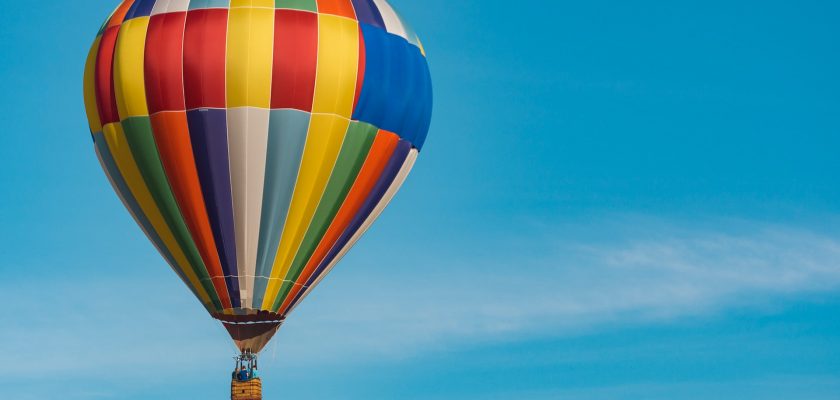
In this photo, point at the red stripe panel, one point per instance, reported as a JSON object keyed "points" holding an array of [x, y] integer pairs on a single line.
{"points": [[360, 76], [172, 137], [164, 62], [205, 40], [380, 152], [343, 8], [106, 100], [295, 59]]}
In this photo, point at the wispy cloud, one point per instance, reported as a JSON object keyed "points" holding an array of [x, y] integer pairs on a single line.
{"points": [[631, 271]]}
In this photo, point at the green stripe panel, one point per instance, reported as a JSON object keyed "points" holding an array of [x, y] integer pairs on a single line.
{"points": [[354, 150], [138, 132], [306, 5]]}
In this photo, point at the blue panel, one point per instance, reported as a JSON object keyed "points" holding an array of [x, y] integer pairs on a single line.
{"points": [[286, 141], [372, 103], [199, 4], [368, 13], [396, 91], [426, 113], [122, 188], [208, 133], [140, 8], [420, 117]]}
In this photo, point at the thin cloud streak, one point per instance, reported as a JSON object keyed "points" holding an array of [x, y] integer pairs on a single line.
{"points": [[564, 285], [570, 285]]}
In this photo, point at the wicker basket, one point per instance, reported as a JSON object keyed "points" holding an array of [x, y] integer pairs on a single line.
{"points": [[248, 390]]}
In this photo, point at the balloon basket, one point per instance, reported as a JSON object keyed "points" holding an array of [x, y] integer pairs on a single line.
{"points": [[248, 390], [245, 383]]}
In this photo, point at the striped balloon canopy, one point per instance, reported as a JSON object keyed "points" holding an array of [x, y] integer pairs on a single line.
{"points": [[255, 141]]}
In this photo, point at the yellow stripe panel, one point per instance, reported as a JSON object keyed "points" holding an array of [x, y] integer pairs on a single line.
{"points": [[118, 145], [250, 53], [338, 64], [94, 120], [129, 77], [252, 3], [323, 143]]}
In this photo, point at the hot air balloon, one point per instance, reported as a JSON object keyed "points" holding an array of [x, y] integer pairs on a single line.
{"points": [[255, 141]]}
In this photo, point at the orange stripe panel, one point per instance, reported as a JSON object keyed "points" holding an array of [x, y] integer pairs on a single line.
{"points": [[342, 8], [119, 15], [172, 136]]}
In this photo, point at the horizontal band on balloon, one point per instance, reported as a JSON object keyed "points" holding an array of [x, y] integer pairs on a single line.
{"points": [[365, 10], [255, 322], [386, 85], [372, 12], [250, 318], [252, 337]]}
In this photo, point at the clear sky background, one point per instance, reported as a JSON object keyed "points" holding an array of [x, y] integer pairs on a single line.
{"points": [[618, 200]]}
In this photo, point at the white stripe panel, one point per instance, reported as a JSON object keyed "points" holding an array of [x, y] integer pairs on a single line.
{"points": [[247, 145], [374, 215], [393, 23], [410, 35], [169, 6], [160, 7]]}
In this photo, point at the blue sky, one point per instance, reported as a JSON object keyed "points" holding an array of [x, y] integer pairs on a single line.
{"points": [[617, 200]]}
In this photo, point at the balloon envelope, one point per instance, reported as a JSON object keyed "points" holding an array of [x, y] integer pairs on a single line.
{"points": [[255, 141]]}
